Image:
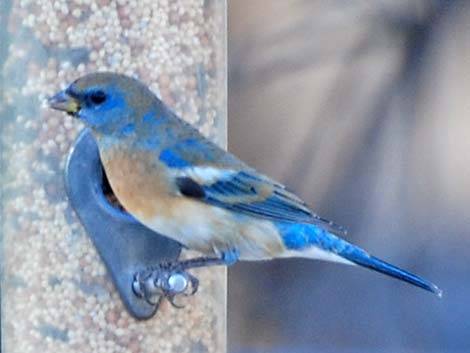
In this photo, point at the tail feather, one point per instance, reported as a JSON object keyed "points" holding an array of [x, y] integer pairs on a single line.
{"points": [[307, 240], [363, 259]]}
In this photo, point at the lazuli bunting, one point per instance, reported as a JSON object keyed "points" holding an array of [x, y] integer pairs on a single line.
{"points": [[178, 183]]}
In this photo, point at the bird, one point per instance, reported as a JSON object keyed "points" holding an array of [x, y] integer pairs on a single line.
{"points": [[178, 183]]}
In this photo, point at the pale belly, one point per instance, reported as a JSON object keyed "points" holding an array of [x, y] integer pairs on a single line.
{"points": [[212, 230]]}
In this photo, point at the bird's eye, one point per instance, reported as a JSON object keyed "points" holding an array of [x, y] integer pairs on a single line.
{"points": [[97, 97]]}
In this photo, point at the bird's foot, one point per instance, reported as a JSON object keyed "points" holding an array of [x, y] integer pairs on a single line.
{"points": [[164, 281], [169, 280]]}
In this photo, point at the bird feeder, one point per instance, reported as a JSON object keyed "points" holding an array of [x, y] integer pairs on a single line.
{"points": [[70, 254]]}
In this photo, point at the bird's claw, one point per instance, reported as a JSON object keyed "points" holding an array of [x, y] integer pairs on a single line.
{"points": [[164, 281]]}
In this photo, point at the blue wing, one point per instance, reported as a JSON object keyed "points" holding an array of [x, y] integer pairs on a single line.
{"points": [[249, 193], [204, 171]]}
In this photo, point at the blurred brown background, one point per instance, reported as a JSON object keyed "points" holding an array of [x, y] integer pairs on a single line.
{"points": [[362, 107]]}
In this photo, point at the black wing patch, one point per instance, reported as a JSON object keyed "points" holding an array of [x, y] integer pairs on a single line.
{"points": [[188, 187]]}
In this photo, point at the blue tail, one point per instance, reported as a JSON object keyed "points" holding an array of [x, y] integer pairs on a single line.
{"points": [[302, 236], [362, 258]]}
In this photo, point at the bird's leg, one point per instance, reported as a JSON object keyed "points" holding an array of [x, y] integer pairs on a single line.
{"points": [[172, 279], [226, 258]]}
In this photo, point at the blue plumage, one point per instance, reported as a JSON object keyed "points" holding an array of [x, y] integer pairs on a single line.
{"points": [[128, 129], [172, 160]]}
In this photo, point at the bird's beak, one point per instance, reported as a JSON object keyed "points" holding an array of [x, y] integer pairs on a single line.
{"points": [[64, 102]]}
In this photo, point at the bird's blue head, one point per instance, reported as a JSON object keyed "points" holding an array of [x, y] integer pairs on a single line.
{"points": [[108, 103]]}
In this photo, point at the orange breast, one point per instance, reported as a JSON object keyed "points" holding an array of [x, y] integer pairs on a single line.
{"points": [[138, 181]]}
